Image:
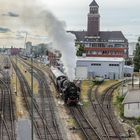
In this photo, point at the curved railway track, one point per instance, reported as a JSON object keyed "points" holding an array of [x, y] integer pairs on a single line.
{"points": [[89, 132], [46, 103], [45, 126], [86, 127], [7, 118], [105, 114], [97, 112]]}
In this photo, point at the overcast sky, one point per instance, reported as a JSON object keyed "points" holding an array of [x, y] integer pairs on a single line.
{"points": [[115, 15]]}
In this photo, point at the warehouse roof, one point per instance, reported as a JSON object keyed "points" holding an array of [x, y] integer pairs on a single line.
{"points": [[110, 59], [132, 97]]}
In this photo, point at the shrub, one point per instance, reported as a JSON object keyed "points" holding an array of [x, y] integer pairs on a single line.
{"points": [[138, 129]]}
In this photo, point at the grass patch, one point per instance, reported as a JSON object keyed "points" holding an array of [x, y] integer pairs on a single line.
{"points": [[71, 122], [85, 86], [106, 84], [117, 102], [19, 107], [27, 75], [138, 129]]}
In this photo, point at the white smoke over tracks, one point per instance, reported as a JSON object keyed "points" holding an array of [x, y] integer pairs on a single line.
{"points": [[62, 41], [55, 30]]}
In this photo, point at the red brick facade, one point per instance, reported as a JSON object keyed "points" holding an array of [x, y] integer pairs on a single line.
{"points": [[106, 52], [93, 26], [53, 57]]}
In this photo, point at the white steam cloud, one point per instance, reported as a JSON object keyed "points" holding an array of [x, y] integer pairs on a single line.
{"points": [[62, 41], [55, 30]]}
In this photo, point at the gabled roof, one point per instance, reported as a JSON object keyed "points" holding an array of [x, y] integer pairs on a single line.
{"points": [[103, 35], [132, 97], [94, 3]]}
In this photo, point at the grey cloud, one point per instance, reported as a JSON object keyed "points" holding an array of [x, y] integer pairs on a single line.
{"points": [[19, 36], [11, 14], [4, 30]]}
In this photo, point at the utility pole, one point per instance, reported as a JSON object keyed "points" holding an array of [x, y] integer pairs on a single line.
{"points": [[139, 78], [139, 82], [32, 113], [25, 44], [25, 40], [133, 81], [16, 75]]}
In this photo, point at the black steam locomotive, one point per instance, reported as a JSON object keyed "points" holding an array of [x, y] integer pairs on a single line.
{"points": [[69, 91]]}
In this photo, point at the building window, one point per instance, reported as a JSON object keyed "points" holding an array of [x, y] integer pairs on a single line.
{"points": [[114, 65], [138, 105], [95, 64]]}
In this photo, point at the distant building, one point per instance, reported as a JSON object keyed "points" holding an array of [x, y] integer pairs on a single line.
{"points": [[101, 43], [106, 67], [132, 104], [53, 57], [14, 51], [128, 71]]}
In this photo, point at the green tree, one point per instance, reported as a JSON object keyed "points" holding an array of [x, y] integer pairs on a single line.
{"points": [[80, 50], [137, 57]]}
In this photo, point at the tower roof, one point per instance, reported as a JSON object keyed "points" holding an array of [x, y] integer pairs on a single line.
{"points": [[94, 3]]}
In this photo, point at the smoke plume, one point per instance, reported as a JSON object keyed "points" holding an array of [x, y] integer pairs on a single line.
{"points": [[55, 31], [62, 41]]}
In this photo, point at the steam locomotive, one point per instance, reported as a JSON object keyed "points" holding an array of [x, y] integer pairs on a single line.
{"points": [[67, 89]]}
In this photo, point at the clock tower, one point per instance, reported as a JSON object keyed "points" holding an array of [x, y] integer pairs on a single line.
{"points": [[93, 26]]}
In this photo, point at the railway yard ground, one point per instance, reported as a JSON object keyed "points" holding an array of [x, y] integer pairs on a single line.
{"points": [[96, 117]]}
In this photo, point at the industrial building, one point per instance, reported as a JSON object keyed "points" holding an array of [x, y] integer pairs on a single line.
{"points": [[132, 104], [99, 43], [106, 67]]}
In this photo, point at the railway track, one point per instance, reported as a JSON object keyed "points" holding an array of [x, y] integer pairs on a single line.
{"points": [[99, 118], [89, 132], [86, 127], [7, 117], [44, 111], [46, 103], [105, 114]]}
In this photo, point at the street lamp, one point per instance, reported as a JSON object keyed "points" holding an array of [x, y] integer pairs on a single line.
{"points": [[16, 75]]}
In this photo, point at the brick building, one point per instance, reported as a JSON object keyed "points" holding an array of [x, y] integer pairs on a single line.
{"points": [[14, 51], [53, 57], [101, 43]]}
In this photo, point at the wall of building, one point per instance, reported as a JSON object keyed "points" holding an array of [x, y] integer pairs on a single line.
{"points": [[108, 70], [128, 71], [132, 110], [81, 73]]}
